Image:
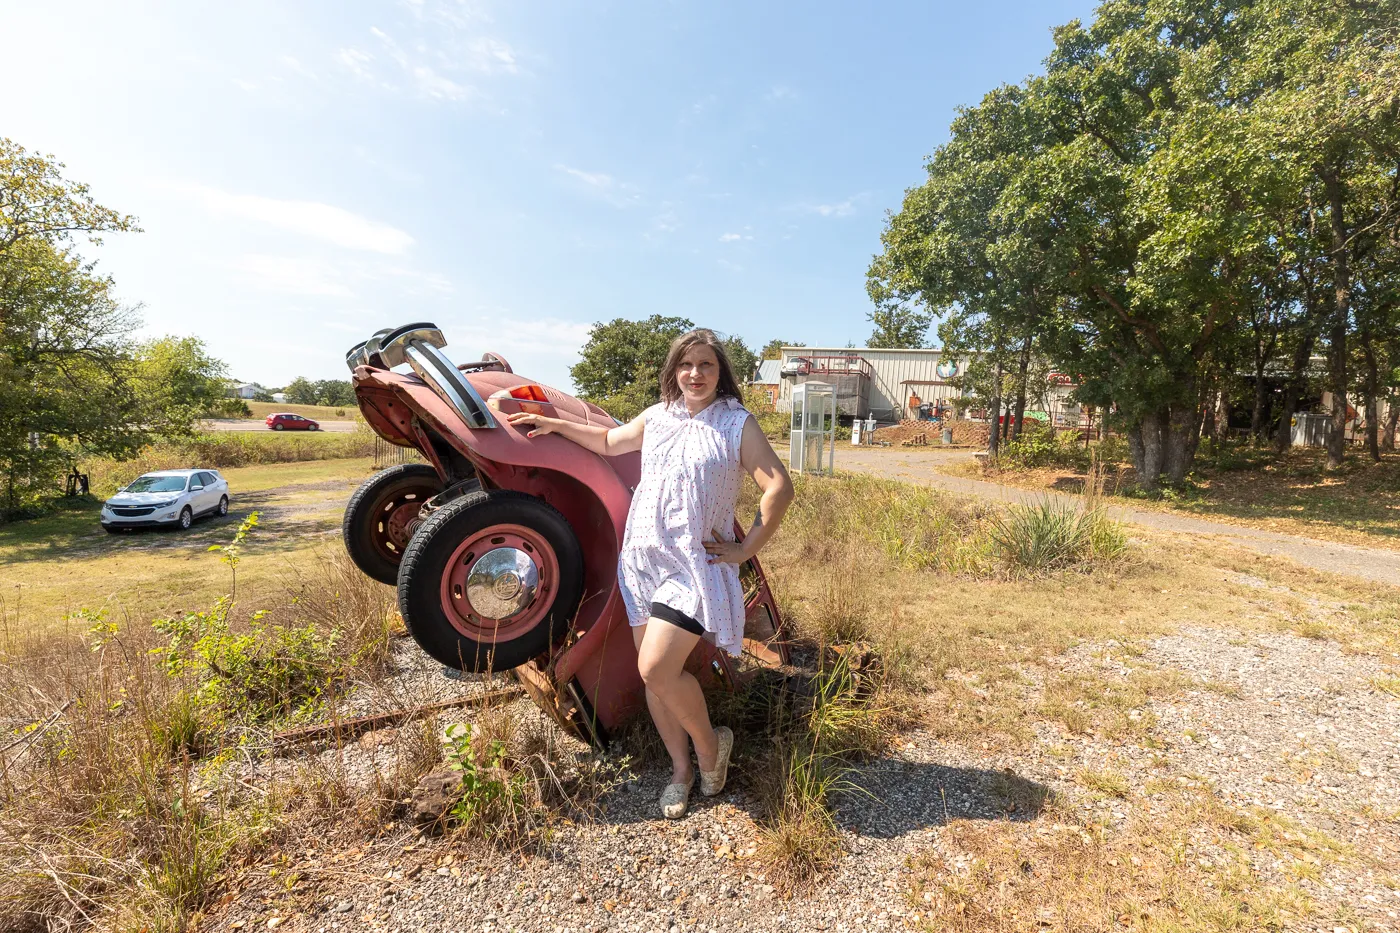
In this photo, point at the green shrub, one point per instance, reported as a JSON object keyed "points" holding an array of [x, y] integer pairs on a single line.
{"points": [[1053, 535], [1038, 448]]}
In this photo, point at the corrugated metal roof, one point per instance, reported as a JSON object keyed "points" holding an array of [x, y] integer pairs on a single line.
{"points": [[769, 372]]}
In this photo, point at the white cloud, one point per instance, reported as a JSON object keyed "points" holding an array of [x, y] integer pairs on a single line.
{"points": [[292, 275], [780, 92], [533, 336], [308, 218], [617, 193], [425, 78], [735, 237], [357, 62], [296, 65], [839, 209], [492, 56], [600, 180]]}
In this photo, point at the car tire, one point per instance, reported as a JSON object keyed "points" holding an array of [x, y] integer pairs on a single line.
{"points": [[381, 517], [531, 547], [110, 530], [186, 518], [277, 427], [223, 505], [314, 427]]}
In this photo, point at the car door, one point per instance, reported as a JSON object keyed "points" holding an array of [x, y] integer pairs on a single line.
{"points": [[196, 493], [212, 491]]}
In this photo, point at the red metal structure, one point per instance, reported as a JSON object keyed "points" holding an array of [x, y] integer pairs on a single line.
{"points": [[504, 549]]}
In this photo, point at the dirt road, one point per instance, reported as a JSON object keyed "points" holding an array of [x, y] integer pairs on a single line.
{"points": [[252, 424], [922, 466]]}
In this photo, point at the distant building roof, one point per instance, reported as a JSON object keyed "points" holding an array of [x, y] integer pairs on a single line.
{"points": [[769, 372]]}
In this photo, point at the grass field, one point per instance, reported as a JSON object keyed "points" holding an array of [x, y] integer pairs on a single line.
{"points": [[1293, 493], [982, 652], [261, 410], [64, 562]]}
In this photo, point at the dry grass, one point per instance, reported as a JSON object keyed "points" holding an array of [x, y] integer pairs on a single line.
{"points": [[1293, 493], [119, 803], [1182, 868], [961, 642]]}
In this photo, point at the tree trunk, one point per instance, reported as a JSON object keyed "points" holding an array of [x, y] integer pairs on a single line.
{"points": [[1209, 421], [994, 435], [1391, 423], [1145, 442], [1341, 313], [1179, 440], [1018, 424], [1256, 417], [1292, 392], [1373, 408]]}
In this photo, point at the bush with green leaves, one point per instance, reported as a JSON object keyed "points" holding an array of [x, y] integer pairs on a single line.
{"points": [[1038, 448], [1054, 534]]}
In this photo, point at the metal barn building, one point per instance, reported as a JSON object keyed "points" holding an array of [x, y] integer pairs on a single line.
{"points": [[890, 384], [871, 380]]}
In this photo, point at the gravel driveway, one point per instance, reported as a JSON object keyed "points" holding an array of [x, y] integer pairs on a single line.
{"points": [[1272, 721]]}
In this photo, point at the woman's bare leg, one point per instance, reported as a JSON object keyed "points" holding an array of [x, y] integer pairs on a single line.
{"points": [[674, 696]]}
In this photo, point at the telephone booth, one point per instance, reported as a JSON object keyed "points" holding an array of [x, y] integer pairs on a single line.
{"points": [[813, 440]]}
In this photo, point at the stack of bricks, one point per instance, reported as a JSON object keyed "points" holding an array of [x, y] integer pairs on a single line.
{"points": [[905, 434]]}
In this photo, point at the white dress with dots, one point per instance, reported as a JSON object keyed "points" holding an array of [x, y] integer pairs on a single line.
{"points": [[687, 496]]}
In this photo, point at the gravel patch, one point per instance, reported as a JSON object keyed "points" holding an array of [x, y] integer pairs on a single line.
{"points": [[1288, 724]]}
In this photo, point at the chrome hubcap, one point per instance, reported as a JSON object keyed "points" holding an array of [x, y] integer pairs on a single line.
{"points": [[502, 583]]}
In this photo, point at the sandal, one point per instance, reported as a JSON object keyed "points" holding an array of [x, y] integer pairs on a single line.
{"points": [[675, 799], [712, 782]]}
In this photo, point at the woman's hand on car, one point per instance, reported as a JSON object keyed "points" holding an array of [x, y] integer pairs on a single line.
{"points": [[539, 425], [725, 552]]}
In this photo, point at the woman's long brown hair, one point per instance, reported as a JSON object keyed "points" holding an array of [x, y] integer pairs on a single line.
{"points": [[700, 337]]}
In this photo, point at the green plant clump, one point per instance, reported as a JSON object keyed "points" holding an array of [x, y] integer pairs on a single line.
{"points": [[1053, 535]]}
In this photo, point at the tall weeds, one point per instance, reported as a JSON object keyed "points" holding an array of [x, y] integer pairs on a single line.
{"points": [[118, 806]]}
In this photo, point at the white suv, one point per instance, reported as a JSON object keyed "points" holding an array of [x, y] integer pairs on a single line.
{"points": [[167, 497]]}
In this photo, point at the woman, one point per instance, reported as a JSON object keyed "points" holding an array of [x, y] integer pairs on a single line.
{"points": [[679, 566]]}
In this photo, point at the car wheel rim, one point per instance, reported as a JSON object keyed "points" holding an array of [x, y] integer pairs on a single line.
{"points": [[184, 519], [499, 583], [397, 517], [223, 506]]}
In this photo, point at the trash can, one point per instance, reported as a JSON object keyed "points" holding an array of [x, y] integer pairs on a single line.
{"points": [[947, 435]]}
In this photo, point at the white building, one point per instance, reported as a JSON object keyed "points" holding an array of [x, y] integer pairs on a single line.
{"points": [[243, 389], [890, 384]]}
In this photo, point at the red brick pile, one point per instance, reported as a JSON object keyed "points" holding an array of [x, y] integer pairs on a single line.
{"points": [[906, 433]]}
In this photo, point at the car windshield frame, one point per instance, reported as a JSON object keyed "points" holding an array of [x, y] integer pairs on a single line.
{"points": [[157, 484]]}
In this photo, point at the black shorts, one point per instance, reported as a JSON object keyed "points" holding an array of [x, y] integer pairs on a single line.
{"points": [[677, 618]]}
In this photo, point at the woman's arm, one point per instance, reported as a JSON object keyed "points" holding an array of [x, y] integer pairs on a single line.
{"points": [[761, 462], [607, 442]]}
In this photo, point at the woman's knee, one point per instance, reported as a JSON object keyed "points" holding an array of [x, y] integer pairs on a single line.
{"points": [[654, 670]]}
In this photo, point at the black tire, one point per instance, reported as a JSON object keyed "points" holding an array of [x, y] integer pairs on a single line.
{"points": [[277, 427], [223, 505], [315, 427], [361, 527], [426, 562], [186, 518]]}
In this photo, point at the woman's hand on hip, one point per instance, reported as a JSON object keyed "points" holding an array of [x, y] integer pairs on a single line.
{"points": [[538, 424], [725, 552]]}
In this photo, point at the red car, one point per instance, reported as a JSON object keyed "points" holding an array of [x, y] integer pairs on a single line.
{"points": [[289, 421], [504, 551]]}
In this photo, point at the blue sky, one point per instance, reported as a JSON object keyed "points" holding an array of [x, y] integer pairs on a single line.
{"points": [[308, 172]]}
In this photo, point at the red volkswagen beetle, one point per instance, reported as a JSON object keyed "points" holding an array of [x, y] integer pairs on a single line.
{"points": [[504, 550]]}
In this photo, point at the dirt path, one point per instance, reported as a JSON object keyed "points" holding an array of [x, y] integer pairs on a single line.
{"points": [[922, 466]]}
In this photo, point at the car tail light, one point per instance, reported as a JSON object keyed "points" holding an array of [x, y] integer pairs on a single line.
{"points": [[529, 393]]}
